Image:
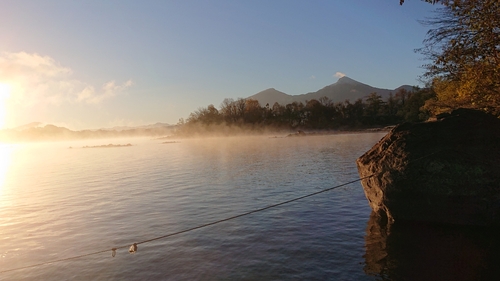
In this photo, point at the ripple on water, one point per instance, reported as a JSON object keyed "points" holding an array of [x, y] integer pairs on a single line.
{"points": [[65, 202]]}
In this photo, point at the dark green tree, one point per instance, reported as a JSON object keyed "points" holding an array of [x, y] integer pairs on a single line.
{"points": [[374, 104], [413, 109], [445, 2]]}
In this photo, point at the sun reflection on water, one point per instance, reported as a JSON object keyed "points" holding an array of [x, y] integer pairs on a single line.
{"points": [[5, 161]]}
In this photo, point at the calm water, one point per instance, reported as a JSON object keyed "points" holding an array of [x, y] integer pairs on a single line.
{"points": [[57, 202]]}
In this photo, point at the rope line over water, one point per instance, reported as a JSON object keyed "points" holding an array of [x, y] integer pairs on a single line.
{"points": [[134, 248]]}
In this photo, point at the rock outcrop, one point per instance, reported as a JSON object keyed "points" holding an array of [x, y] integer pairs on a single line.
{"points": [[444, 171]]}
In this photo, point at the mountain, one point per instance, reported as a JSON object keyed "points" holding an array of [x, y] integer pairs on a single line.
{"points": [[37, 132], [344, 89], [29, 126], [270, 96], [150, 126]]}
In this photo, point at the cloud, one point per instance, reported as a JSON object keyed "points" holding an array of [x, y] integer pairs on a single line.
{"points": [[339, 74], [312, 77], [108, 90], [41, 80], [12, 64]]}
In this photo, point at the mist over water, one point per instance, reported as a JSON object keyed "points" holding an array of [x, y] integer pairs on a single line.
{"points": [[57, 202]]}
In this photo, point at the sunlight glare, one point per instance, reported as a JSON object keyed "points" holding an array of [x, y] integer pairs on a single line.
{"points": [[5, 160]]}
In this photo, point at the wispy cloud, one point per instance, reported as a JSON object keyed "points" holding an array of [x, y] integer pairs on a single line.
{"points": [[107, 91], [312, 77], [12, 64], [41, 80], [339, 74]]}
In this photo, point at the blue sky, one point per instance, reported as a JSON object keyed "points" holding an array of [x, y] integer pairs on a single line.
{"points": [[91, 64]]}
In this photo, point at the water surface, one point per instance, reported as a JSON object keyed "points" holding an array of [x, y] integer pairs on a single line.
{"points": [[57, 202]]}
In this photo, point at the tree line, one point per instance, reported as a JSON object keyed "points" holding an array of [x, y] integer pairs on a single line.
{"points": [[321, 114]]}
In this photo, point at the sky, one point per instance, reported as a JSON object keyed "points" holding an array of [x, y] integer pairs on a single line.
{"points": [[98, 64]]}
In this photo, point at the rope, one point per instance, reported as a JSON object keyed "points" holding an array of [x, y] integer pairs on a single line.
{"points": [[133, 249]]}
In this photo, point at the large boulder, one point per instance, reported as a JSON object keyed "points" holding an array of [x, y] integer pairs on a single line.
{"points": [[445, 171]]}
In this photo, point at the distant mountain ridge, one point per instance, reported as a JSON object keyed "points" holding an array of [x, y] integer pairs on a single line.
{"points": [[36, 131], [29, 126], [34, 125], [344, 89], [150, 126]]}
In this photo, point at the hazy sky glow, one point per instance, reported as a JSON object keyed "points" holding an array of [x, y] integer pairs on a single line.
{"points": [[91, 64]]}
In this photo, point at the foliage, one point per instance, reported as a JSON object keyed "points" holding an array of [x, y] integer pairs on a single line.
{"points": [[444, 2], [322, 114], [413, 109], [464, 48]]}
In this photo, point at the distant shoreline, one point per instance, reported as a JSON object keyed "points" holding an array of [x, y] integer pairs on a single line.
{"points": [[301, 133], [108, 145]]}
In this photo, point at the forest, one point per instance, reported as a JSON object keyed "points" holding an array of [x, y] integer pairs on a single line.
{"points": [[323, 114]]}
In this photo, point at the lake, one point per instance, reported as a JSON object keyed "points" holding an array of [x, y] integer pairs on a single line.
{"points": [[58, 202]]}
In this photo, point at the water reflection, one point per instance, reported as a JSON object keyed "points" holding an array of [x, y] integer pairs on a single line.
{"points": [[418, 251], [5, 158]]}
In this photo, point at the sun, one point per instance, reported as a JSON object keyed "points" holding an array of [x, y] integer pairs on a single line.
{"points": [[4, 95]]}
